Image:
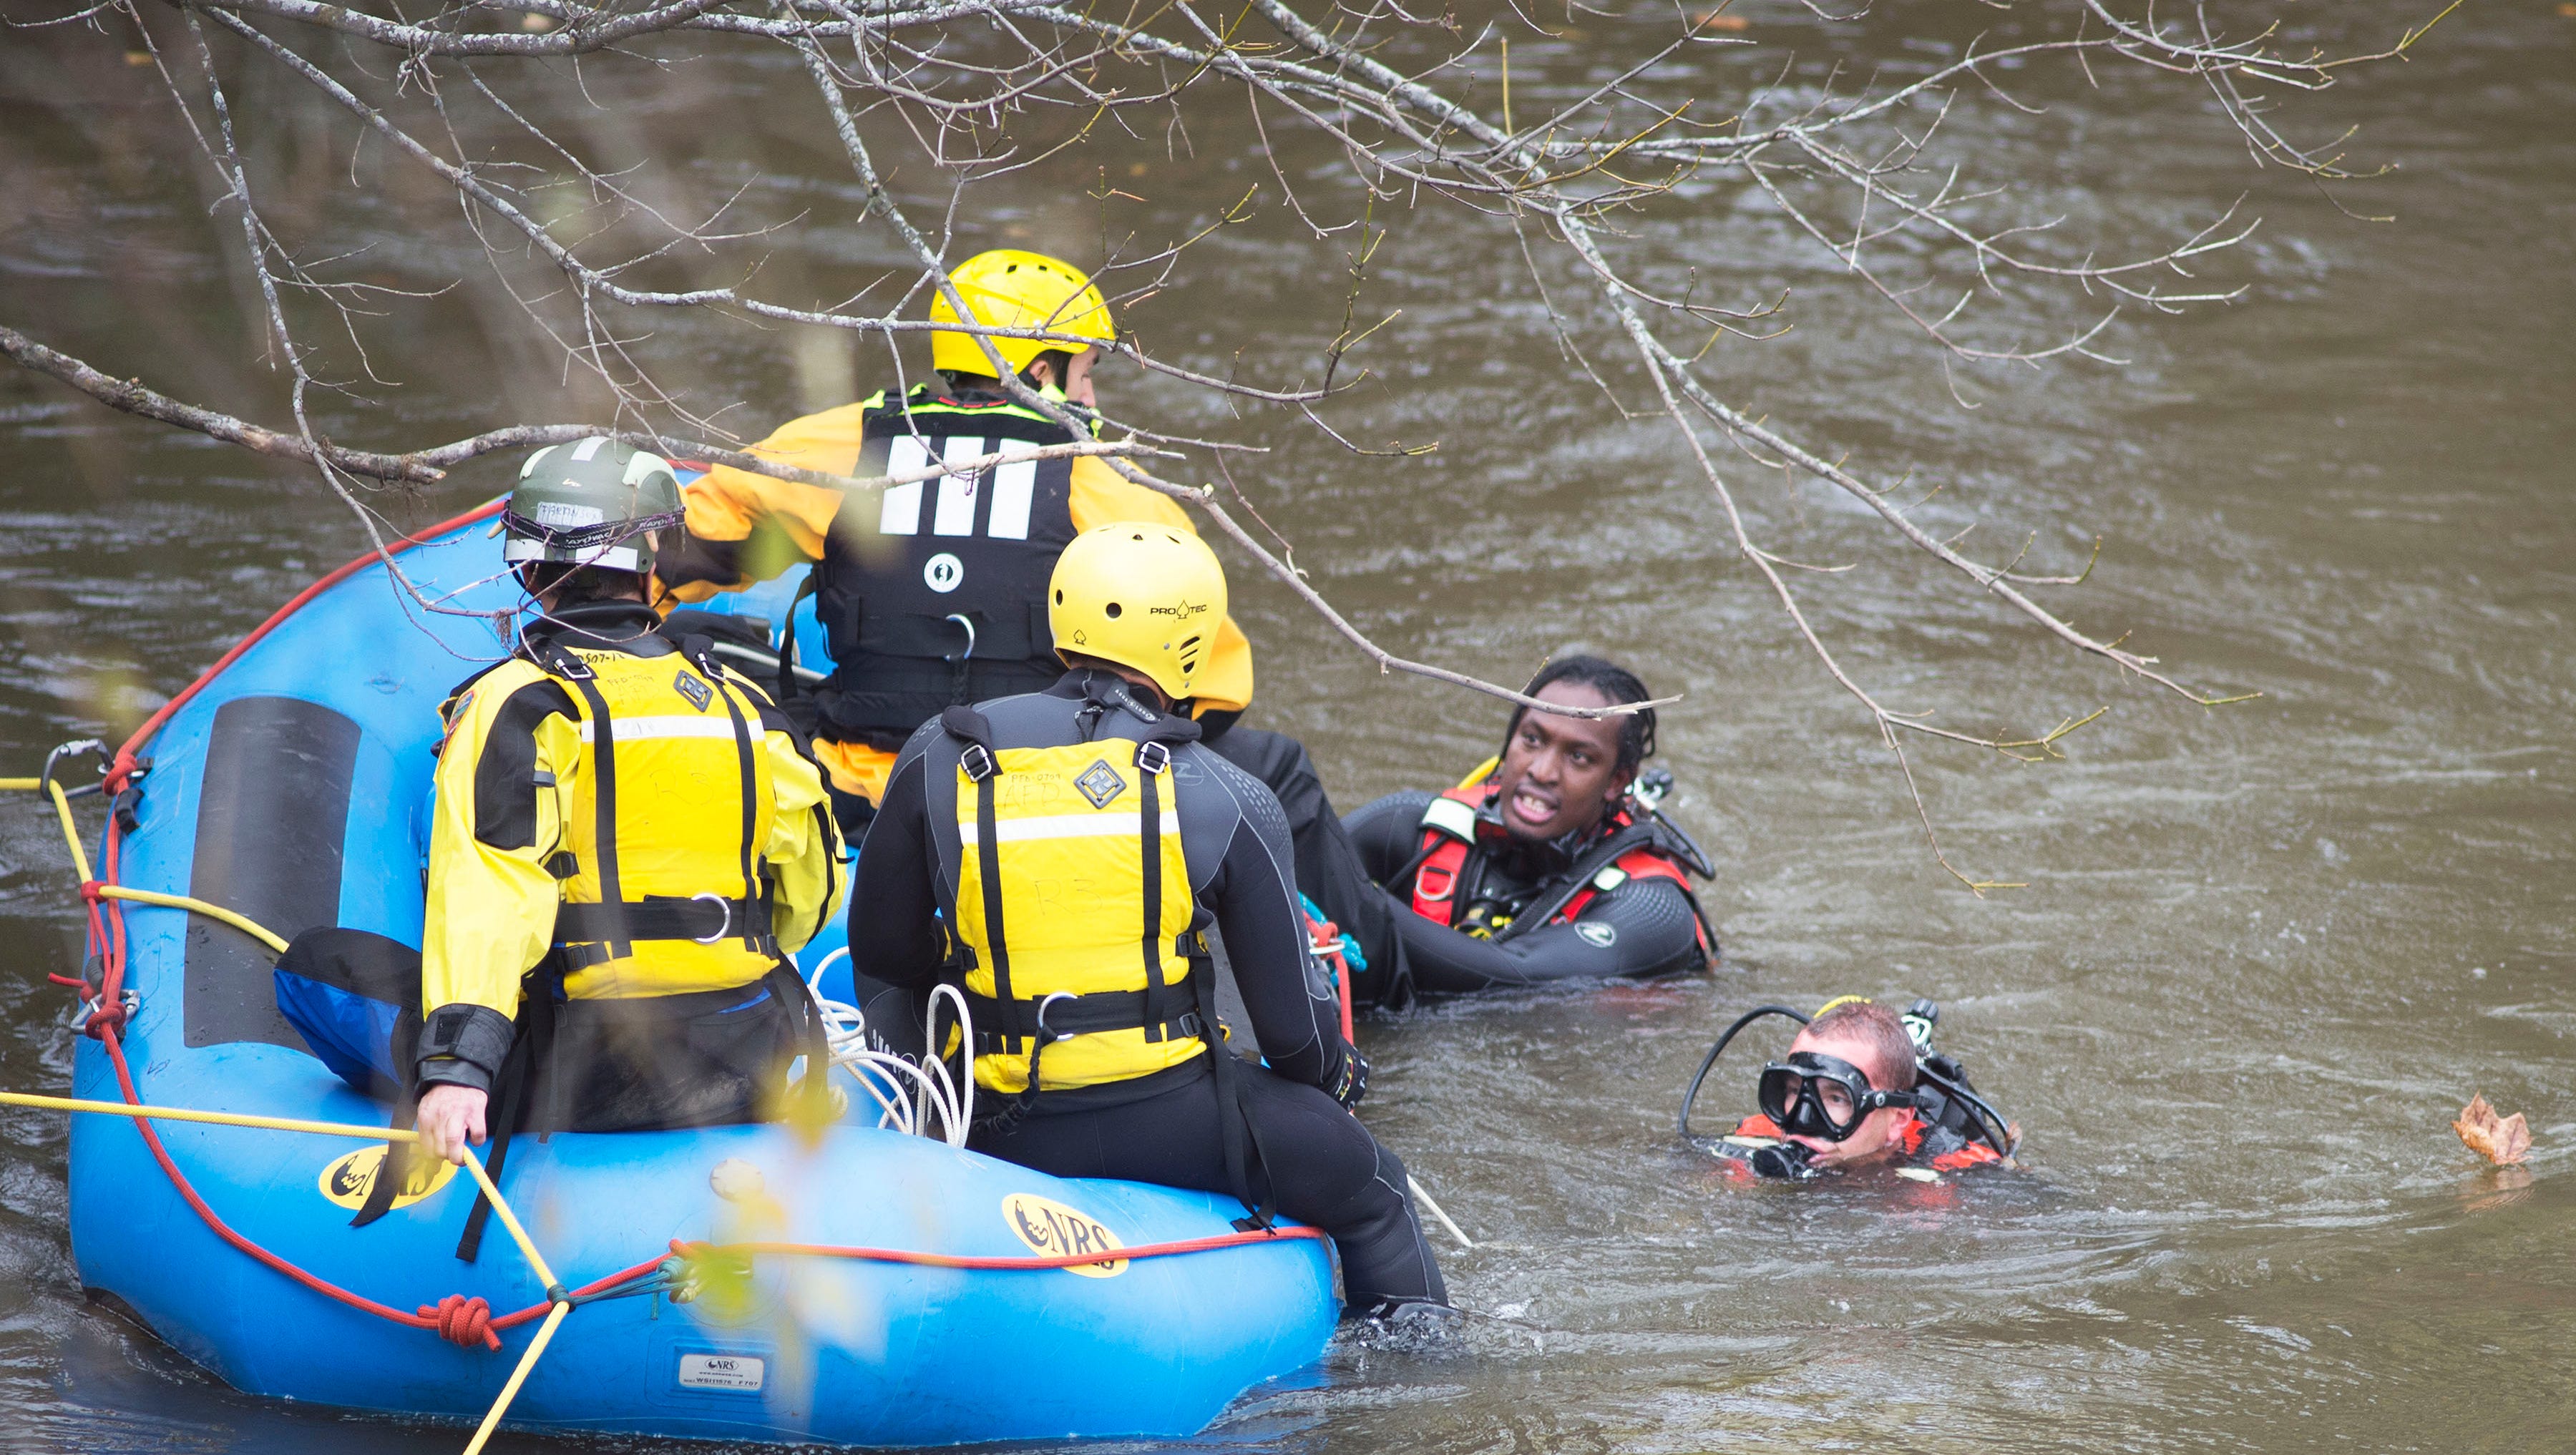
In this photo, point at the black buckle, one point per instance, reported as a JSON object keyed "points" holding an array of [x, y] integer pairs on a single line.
{"points": [[1153, 757], [977, 762]]}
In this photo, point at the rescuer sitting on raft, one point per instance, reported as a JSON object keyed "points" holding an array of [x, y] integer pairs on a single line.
{"points": [[627, 837], [1078, 842], [1547, 864], [1860, 1086], [934, 593]]}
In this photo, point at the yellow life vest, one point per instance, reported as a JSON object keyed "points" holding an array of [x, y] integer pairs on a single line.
{"points": [[663, 890], [1074, 905]]}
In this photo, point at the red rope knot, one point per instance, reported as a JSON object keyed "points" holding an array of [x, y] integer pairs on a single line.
{"points": [[89, 891], [462, 1321], [105, 1015]]}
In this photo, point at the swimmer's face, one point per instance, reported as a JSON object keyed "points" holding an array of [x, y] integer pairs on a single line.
{"points": [[1876, 1136], [1560, 774]]}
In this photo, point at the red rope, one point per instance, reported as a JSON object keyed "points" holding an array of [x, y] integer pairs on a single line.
{"points": [[1006, 1265], [462, 1321], [457, 1318]]}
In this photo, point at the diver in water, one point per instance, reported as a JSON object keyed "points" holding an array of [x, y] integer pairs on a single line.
{"points": [[1860, 1086], [1551, 862]]}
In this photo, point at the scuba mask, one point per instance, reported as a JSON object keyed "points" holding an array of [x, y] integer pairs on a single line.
{"points": [[1814, 1095], [1796, 1099]]}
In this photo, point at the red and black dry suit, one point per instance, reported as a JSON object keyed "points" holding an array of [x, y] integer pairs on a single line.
{"points": [[1482, 908], [1315, 1162]]}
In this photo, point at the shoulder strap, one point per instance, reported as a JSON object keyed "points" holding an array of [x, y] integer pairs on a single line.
{"points": [[560, 664], [978, 762], [1577, 880]]}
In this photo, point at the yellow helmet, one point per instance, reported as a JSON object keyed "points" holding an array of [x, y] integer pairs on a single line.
{"points": [[1008, 288], [1144, 596]]}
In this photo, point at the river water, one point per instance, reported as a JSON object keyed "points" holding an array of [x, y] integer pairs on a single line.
{"points": [[2265, 951]]}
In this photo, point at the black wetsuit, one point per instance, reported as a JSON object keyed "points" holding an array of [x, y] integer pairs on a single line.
{"points": [[1318, 1163], [1329, 868], [1646, 926]]}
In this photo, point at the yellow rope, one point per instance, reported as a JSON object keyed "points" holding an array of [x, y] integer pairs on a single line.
{"points": [[518, 1376], [211, 911], [71, 830], [473, 1164], [211, 1118]]}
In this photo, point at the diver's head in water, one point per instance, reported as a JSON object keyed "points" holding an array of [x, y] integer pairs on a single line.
{"points": [[1561, 775], [1851, 1069]]}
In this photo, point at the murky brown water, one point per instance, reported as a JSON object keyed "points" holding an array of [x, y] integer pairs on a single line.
{"points": [[2265, 953]]}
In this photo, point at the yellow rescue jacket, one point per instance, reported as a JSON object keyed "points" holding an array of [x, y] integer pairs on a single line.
{"points": [[680, 849], [1074, 910]]}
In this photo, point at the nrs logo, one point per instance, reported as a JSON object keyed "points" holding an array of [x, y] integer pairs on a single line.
{"points": [[1052, 1230], [348, 1180]]}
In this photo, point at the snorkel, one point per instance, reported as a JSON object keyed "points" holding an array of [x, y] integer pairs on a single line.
{"points": [[1824, 1097]]}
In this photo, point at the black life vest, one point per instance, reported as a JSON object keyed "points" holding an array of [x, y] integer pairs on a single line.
{"points": [[933, 593]]}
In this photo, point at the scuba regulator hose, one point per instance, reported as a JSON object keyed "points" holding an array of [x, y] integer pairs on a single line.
{"points": [[1990, 1124]]}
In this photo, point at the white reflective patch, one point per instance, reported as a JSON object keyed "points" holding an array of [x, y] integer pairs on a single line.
{"points": [[899, 513], [1014, 485], [956, 514], [588, 447], [643, 729], [1451, 817], [1066, 826], [535, 460], [744, 1373], [643, 463]]}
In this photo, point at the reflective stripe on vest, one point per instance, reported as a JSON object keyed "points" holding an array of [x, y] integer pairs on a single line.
{"points": [[935, 592], [675, 807], [1068, 845]]}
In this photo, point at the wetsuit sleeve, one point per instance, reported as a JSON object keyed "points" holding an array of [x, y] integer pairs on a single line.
{"points": [[1388, 833], [1101, 496], [804, 850], [1294, 1009], [896, 941], [1644, 927], [743, 527], [490, 913]]}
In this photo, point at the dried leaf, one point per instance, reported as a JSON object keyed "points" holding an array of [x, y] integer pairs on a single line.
{"points": [[2501, 1140], [1719, 20]]}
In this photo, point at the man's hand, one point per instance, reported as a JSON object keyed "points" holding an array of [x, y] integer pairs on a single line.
{"points": [[451, 1116], [1350, 1082]]}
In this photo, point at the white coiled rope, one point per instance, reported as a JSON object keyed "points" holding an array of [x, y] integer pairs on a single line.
{"points": [[909, 1094]]}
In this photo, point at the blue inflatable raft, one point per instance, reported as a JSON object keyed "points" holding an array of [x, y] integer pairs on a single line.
{"points": [[291, 787]]}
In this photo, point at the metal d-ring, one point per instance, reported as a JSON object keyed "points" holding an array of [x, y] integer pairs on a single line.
{"points": [[1045, 1031], [970, 639], [723, 930]]}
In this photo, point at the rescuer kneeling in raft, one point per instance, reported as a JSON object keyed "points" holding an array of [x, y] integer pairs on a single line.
{"points": [[1078, 842], [1860, 1086], [627, 838], [1549, 863]]}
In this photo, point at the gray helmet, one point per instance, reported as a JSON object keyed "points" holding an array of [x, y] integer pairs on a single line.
{"points": [[589, 503]]}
